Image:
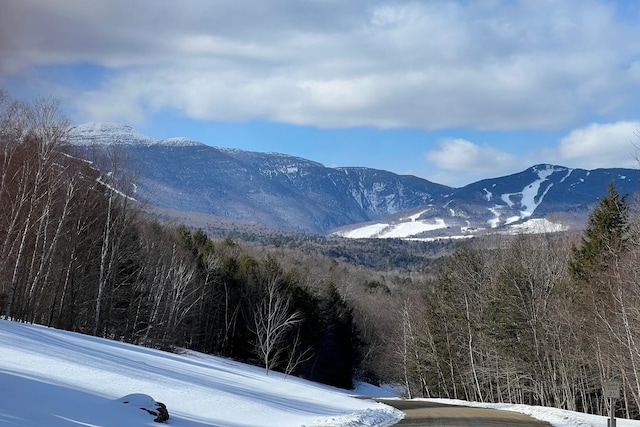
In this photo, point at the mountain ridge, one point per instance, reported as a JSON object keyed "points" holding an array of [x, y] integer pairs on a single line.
{"points": [[296, 194], [542, 198]]}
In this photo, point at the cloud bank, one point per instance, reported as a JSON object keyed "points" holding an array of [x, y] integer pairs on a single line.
{"points": [[486, 64]]}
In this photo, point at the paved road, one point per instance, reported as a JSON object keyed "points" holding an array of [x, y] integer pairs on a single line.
{"points": [[421, 413]]}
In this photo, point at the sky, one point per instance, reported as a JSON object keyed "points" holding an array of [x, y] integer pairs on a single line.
{"points": [[56, 378], [453, 91]]}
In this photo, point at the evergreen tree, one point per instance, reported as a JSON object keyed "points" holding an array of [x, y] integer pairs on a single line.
{"points": [[603, 239], [339, 352]]}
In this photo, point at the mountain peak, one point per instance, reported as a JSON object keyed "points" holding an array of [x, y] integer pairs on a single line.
{"points": [[103, 133], [107, 133]]}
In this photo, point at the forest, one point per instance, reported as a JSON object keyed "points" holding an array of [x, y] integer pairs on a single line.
{"points": [[541, 319]]}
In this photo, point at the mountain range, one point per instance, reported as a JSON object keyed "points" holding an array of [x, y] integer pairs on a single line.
{"points": [[180, 175]]}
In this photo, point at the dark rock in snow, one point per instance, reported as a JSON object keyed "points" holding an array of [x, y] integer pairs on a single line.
{"points": [[148, 404]]}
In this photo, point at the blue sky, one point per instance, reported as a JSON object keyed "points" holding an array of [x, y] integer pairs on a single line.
{"points": [[451, 91]]}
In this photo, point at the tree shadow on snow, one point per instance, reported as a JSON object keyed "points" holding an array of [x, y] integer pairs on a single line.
{"points": [[32, 402]]}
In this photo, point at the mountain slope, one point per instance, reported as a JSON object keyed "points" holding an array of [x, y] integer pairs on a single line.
{"points": [[272, 189], [291, 193], [541, 198]]}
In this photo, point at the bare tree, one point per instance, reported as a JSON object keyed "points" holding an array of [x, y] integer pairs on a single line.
{"points": [[32, 137], [273, 320], [117, 181]]}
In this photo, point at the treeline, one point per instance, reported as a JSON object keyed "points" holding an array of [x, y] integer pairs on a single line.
{"points": [[77, 253], [374, 254]]}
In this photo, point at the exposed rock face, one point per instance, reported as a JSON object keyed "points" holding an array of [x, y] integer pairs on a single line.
{"points": [[148, 404]]}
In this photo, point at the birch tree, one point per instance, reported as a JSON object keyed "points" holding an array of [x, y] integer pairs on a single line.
{"points": [[32, 138], [273, 321]]}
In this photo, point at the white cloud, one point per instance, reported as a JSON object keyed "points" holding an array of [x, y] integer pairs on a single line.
{"points": [[458, 162], [492, 65], [601, 146], [462, 155]]}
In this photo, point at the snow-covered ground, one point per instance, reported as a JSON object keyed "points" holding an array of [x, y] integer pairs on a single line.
{"points": [[55, 378], [408, 229]]}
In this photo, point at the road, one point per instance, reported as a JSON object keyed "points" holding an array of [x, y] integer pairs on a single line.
{"points": [[421, 413]]}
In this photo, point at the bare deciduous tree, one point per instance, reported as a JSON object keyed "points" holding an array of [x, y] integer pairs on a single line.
{"points": [[273, 321]]}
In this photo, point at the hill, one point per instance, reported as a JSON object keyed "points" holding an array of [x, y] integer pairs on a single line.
{"points": [[543, 198], [276, 190], [54, 378]]}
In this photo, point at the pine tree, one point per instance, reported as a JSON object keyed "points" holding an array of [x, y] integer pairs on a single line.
{"points": [[603, 239]]}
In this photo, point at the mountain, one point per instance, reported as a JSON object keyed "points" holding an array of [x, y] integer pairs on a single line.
{"points": [[291, 193], [541, 198], [272, 189]]}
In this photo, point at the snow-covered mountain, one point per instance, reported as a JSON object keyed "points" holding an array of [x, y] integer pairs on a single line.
{"points": [[543, 198], [89, 134], [292, 193], [272, 189]]}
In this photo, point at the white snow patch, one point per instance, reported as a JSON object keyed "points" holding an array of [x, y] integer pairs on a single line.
{"points": [[399, 230], [408, 229], [528, 195], [61, 379], [365, 232], [115, 190], [495, 221], [531, 191], [537, 226], [569, 172], [507, 198], [512, 219], [415, 216]]}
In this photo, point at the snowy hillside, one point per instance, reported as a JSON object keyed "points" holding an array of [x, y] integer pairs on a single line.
{"points": [[503, 205], [54, 378], [413, 227], [61, 379]]}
